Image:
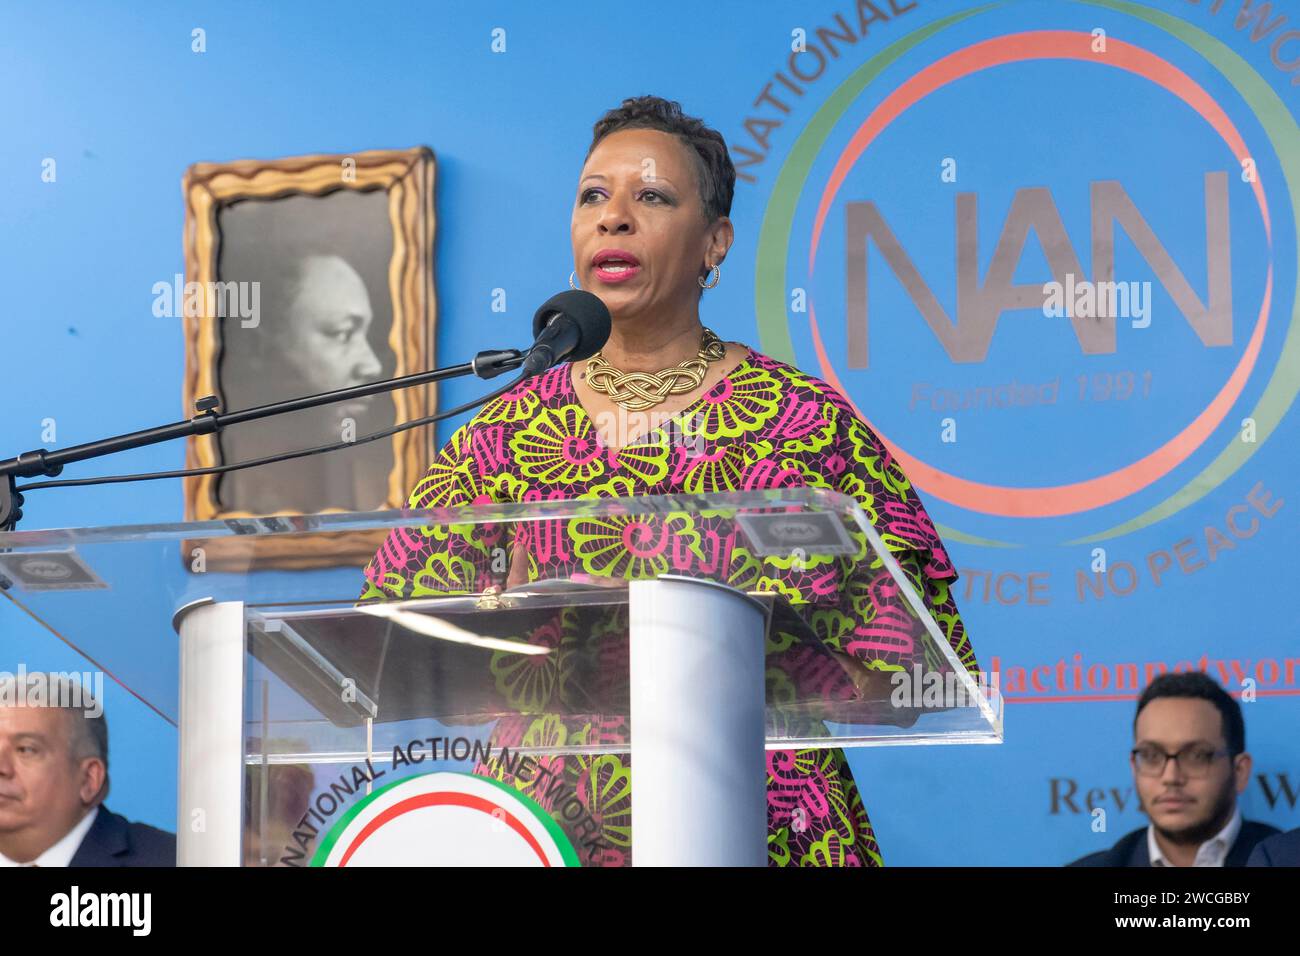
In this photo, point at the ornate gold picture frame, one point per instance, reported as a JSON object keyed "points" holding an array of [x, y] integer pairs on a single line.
{"points": [[292, 288]]}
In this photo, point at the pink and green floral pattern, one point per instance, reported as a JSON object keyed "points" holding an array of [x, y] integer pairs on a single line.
{"points": [[764, 425]]}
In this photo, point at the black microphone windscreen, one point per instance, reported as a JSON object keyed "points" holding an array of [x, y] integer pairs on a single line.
{"points": [[584, 308]]}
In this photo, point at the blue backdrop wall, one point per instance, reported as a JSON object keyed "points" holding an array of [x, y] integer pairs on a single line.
{"points": [[1117, 490]]}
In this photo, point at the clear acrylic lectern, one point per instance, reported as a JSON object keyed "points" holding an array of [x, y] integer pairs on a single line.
{"points": [[317, 729]]}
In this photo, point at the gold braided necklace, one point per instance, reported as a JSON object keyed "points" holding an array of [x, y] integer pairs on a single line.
{"points": [[637, 391]]}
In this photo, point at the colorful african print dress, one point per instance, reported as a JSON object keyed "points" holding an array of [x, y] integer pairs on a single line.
{"points": [[764, 425]]}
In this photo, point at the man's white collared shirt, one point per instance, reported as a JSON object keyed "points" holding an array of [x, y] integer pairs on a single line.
{"points": [[61, 853], [1213, 852]]}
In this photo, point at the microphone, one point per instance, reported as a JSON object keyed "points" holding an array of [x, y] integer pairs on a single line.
{"points": [[571, 325]]}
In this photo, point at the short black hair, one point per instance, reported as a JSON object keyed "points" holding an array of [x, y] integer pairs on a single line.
{"points": [[1198, 685], [713, 166]]}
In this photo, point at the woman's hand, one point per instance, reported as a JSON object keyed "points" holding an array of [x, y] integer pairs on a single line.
{"points": [[876, 689]]}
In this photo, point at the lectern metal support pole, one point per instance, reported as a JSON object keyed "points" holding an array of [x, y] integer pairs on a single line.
{"points": [[697, 699], [209, 809]]}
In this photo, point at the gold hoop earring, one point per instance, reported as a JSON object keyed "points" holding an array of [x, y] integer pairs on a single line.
{"points": [[717, 277], [571, 275]]}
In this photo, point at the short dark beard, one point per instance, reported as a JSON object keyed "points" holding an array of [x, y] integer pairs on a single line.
{"points": [[1224, 807]]}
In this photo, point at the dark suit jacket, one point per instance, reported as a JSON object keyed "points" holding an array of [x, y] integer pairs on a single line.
{"points": [[112, 841], [1280, 850], [1131, 850]]}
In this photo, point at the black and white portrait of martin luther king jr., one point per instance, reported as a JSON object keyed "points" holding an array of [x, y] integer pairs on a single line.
{"points": [[325, 316]]}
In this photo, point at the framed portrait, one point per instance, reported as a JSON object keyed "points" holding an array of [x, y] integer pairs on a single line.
{"points": [[306, 275]]}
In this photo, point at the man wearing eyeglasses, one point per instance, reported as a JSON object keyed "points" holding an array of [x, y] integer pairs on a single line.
{"points": [[1189, 763]]}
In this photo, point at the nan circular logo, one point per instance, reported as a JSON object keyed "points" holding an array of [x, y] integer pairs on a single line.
{"points": [[446, 819], [1008, 245]]}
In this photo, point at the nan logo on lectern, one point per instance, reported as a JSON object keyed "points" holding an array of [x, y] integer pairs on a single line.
{"points": [[446, 819]]}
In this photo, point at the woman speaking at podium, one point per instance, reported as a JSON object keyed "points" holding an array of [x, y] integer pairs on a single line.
{"points": [[650, 231]]}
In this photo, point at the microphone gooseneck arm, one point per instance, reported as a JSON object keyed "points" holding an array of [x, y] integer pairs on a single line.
{"points": [[571, 325], [45, 463]]}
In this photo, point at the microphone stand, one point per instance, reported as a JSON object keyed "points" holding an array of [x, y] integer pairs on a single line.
{"points": [[45, 463]]}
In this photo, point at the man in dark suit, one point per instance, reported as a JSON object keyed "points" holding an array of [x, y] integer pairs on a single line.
{"points": [[1189, 763], [1280, 850], [53, 781]]}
